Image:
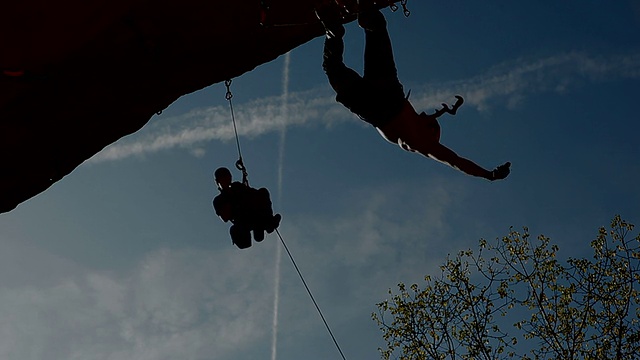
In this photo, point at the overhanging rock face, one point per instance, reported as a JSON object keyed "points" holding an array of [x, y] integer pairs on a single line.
{"points": [[77, 75]]}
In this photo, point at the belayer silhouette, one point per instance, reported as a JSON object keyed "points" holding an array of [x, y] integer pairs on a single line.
{"points": [[248, 209], [378, 97]]}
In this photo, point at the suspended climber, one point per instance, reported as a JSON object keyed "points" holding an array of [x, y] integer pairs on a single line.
{"points": [[378, 97], [248, 209]]}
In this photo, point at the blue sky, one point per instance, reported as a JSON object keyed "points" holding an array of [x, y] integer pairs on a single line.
{"points": [[125, 259]]}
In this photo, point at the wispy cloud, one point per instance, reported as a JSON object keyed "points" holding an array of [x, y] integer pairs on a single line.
{"points": [[509, 83], [183, 304], [214, 123], [504, 85], [194, 304]]}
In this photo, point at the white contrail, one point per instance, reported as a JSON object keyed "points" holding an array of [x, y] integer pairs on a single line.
{"points": [[285, 116], [283, 136]]}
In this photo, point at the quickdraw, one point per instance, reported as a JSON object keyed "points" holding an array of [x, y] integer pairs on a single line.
{"points": [[405, 9], [265, 9]]}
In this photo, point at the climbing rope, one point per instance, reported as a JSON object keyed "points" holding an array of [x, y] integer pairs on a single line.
{"points": [[241, 167], [311, 295], [239, 164]]}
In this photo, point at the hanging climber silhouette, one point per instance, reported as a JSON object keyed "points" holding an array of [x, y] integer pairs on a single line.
{"points": [[248, 209], [378, 97]]}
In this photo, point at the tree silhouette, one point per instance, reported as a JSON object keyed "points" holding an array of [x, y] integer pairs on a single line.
{"points": [[514, 298]]}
